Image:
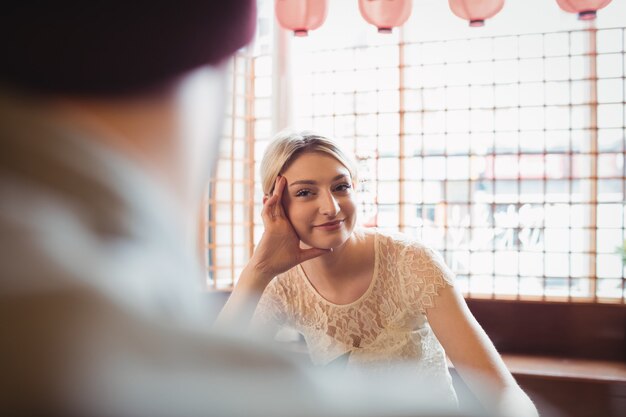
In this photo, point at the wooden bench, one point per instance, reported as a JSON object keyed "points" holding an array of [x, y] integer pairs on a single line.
{"points": [[570, 358], [566, 369]]}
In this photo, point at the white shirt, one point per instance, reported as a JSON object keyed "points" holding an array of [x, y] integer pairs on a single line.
{"points": [[384, 328]]}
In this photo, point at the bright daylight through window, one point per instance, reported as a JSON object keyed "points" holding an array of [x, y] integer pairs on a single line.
{"points": [[503, 148]]}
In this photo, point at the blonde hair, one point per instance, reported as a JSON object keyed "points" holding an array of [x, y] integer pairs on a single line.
{"points": [[288, 145]]}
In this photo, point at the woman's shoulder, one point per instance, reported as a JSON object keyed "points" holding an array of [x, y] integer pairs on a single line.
{"points": [[408, 249], [416, 263], [286, 277], [287, 282], [400, 241]]}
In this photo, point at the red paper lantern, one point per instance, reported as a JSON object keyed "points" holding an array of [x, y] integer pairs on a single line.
{"points": [[385, 14], [301, 15], [476, 11], [586, 9]]}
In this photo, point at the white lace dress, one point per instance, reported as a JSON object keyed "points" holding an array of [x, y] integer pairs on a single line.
{"points": [[386, 326]]}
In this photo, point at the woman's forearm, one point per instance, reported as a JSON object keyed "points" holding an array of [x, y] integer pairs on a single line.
{"points": [[513, 402], [242, 303]]}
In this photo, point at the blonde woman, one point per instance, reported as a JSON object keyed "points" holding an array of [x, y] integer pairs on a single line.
{"points": [[368, 299]]}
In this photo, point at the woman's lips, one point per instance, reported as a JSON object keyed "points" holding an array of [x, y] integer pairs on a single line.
{"points": [[330, 225]]}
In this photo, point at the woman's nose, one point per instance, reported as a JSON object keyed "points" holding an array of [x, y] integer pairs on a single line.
{"points": [[329, 205]]}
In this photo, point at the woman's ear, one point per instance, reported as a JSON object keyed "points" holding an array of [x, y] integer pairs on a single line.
{"points": [[265, 199]]}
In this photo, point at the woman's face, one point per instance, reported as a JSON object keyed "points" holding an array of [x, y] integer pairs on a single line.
{"points": [[319, 200]]}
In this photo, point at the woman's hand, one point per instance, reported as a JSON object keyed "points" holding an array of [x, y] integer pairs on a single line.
{"points": [[279, 248], [278, 251]]}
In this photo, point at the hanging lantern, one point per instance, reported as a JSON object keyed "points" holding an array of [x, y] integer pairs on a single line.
{"points": [[385, 14], [476, 11], [586, 9], [301, 15]]}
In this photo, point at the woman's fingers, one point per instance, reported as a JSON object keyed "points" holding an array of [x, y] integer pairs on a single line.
{"points": [[278, 191], [267, 207], [273, 208], [280, 185]]}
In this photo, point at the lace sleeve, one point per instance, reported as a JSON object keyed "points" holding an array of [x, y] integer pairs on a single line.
{"points": [[271, 312], [424, 273]]}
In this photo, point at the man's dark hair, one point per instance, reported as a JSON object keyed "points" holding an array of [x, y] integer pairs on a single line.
{"points": [[93, 47]]}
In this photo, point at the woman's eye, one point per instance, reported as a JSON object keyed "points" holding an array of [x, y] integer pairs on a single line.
{"points": [[303, 193], [343, 187]]}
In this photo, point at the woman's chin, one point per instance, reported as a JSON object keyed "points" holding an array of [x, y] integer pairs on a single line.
{"points": [[325, 242]]}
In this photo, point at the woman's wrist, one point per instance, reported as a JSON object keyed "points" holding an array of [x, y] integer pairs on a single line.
{"points": [[254, 274]]}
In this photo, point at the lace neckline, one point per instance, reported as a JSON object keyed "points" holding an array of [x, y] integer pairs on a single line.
{"points": [[358, 300]]}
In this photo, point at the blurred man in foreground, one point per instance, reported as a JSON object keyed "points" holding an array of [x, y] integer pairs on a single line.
{"points": [[109, 118]]}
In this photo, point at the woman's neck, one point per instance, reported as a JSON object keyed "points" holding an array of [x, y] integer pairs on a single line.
{"points": [[343, 263]]}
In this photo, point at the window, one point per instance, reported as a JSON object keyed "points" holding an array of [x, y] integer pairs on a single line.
{"points": [[505, 153], [231, 223]]}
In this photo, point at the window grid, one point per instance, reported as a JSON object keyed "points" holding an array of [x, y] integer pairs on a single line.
{"points": [[229, 224], [508, 169], [507, 156]]}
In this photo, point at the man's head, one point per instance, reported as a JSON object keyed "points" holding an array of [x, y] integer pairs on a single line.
{"points": [[146, 77], [116, 47]]}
